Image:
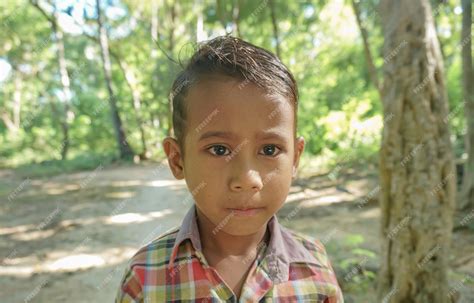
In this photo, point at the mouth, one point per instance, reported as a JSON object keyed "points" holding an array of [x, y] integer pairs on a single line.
{"points": [[246, 212]]}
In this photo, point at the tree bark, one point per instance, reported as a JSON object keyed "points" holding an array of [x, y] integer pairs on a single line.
{"points": [[367, 52], [416, 162], [468, 92], [125, 150]]}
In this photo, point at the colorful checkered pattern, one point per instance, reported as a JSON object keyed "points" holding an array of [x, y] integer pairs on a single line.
{"points": [[172, 268]]}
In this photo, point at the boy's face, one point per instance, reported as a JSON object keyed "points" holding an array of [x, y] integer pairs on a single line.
{"points": [[245, 166]]}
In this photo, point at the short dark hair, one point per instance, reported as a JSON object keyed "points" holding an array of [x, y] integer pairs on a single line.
{"points": [[239, 59]]}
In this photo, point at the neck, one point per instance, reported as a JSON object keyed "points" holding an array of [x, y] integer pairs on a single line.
{"points": [[225, 244]]}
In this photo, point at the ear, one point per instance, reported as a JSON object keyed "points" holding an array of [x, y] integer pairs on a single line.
{"points": [[299, 147], [174, 155]]}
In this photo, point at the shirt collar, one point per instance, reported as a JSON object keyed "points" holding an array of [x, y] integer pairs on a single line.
{"points": [[188, 230], [283, 249]]}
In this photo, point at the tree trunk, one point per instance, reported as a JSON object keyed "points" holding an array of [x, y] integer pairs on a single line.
{"points": [[14, 125], [63, 72], [169, 131], [236, 18], [416, 162], [131, 81], [367, 53], [276, 35], [435, 21], [155, 36], [17, 101], [221, 14], [154, 29], [200, 33], [65, 82], [124, 148], [466, 39]]}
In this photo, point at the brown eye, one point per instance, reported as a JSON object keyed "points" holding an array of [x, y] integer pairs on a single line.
{"points": [[218, 150], [269, 150]]}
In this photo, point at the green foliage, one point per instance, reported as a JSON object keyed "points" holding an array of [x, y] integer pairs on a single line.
{"points": [[340, 113], [357, 277], [54, 167]]}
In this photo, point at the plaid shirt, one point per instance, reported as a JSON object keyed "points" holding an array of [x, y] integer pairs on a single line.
{"points": [[172, 268]]}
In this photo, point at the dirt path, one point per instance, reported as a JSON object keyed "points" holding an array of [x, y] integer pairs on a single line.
{"points": [[68, 238]]}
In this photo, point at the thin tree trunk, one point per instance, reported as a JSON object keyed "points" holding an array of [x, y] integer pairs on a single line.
{"points": [[236, 18], [367, 52], [130, 79], [154, 28], [13, 123], [221, 14], [276, 35], [63, 72], [124, 148], [169, 131], [435, 20], [65, 81], [155, 35], [8, 122], [416, 162], [200, 34], [17, 101], [468, 91]]}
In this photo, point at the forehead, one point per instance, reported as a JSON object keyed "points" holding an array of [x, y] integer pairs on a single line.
{"points": [[238, 107]]}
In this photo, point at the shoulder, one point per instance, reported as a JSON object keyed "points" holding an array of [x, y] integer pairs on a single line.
{"points": [[312, 245], [308, 242], [323, 273], [150, 258], [157, 251]]}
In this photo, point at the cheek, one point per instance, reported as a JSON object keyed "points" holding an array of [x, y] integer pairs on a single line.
{"points": [[277, 187], [200, 168]]}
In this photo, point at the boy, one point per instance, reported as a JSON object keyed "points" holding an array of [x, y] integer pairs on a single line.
{"points": [[234, 117]]}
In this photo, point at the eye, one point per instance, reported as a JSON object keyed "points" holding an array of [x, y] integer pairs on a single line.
{"points": [[269, 150], [218, 150]]}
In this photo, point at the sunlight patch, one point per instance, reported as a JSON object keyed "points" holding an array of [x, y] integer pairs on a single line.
{"points": [[120, 194], [136, 217], [165, 183], [75, 262]]}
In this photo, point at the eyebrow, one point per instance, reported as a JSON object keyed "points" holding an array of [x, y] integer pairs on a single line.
{"points": [[229, 135]]}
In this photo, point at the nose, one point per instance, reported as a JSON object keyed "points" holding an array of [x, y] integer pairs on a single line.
{"points": [[245, 179]]}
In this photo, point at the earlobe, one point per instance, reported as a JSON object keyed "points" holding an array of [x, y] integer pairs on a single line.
{"points": [[299, 147], [174, 155]]}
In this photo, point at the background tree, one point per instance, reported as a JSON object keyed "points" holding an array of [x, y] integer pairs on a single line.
{"points": [[367, 51], [468, 93], [274, 19], [416, 163], [66, 114], [122, 142], [328, 45]]}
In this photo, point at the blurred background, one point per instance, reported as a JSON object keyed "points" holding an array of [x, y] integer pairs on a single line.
{"points": [[84, 107]]}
